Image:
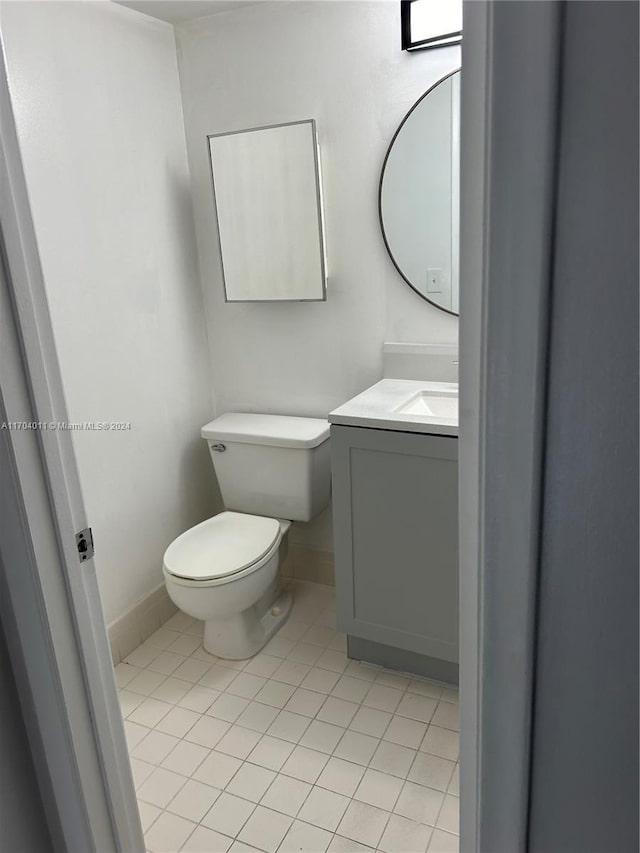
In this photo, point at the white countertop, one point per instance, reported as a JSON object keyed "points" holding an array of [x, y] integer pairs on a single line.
{"points": [[377, 408]]}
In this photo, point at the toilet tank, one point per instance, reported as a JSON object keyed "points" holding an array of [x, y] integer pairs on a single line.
{"points": [[271, 464]]}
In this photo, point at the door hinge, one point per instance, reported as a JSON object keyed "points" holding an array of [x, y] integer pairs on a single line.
{"points": [[84, 544]]}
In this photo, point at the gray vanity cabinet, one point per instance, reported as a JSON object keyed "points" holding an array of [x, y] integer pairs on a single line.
{"points": [[395, 509]]}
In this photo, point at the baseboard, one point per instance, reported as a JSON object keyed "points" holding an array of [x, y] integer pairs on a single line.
{"points": [[309, 564], [402, 660], [139, 623]]}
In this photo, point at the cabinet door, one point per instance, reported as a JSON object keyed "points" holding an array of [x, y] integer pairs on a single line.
{"points": [[395, 507]]}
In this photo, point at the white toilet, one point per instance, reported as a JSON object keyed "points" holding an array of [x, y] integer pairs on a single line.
{"points": [[271, 470]]}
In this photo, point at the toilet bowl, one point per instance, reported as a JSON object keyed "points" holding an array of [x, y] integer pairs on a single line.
{"points": [[271, 470], [224, 571]]}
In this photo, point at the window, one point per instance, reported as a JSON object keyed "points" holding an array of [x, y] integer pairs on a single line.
{"points": [[430, 23]]}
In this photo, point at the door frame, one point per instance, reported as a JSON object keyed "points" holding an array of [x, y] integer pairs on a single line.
{"points": [[510, 93], [509, 97], [51, 610]]}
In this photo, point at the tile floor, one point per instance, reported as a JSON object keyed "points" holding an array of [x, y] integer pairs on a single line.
{"points": [[298, 749]]}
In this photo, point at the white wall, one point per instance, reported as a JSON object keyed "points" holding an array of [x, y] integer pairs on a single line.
{"points": [[97, 101], [340, 63]]}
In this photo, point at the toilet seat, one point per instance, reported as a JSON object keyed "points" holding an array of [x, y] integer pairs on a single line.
{"points": [[221, 549]]}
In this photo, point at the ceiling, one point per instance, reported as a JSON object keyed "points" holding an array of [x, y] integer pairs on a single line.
{"points": [[176, 11]]}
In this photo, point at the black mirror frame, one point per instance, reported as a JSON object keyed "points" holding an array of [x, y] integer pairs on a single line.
{"points": [[384, 165]]}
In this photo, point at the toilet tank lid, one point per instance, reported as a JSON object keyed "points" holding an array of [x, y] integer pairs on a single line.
{"points": [[273, 430]]}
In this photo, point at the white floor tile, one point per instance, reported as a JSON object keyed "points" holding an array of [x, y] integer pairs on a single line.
{"points": [[405, 732], [192, 670], [382, 698], [228, 707], [275, 693], [359, 670], [454, 784], [149, 712], [352, 689], [340, 712], [129, 702], [185, 757], [217, 769], [218, 677], [177, 722], [305, 702], [450, 694], [379, 789], [279, 646], [146, 682], [155, 747], [318, 635], [305, 764], [178, 622], [368, 721], [393, 759], [333, 660], [341, 776], [447, 715], [246, 685], [162, 638], [291, 672], [270, 752], [357, 747], [166, 663], [171, 690], [239, 847], [185, 645], [228, 814], [417, 707], [142, 656], [168, 833], [265, 829], [148, 814], [431, 771], [441, 742], [443, 842], [288, 726], [404, 836], [263, 664], [425, 688], [324, 808], [125, 673], [257, 717], [305, 654], [293, 630], [320, 680], [251, 782], [322, 736], [419, 803], [193, 800], [449, 817], [140, 770], [161, 787], [208, 731], [134, 733], [393, 679], [238, 742], [204, 840], [286, 795], [303, 838], [363, 823], [198, 698], [339, 844]]}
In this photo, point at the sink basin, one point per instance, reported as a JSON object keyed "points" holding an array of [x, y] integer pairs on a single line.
{"points": [[430, 404], [403, 405]]}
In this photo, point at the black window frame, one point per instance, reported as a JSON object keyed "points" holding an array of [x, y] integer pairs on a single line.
{"points": [[444, 40]]}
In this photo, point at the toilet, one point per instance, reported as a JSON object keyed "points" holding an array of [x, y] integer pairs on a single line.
{"points": [[271, 470]]}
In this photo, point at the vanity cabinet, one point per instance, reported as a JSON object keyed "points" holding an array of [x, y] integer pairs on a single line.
{"points": [[395, 509]]}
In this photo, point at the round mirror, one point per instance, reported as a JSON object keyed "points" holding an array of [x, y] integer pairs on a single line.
{"points": [[419, 200]]}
